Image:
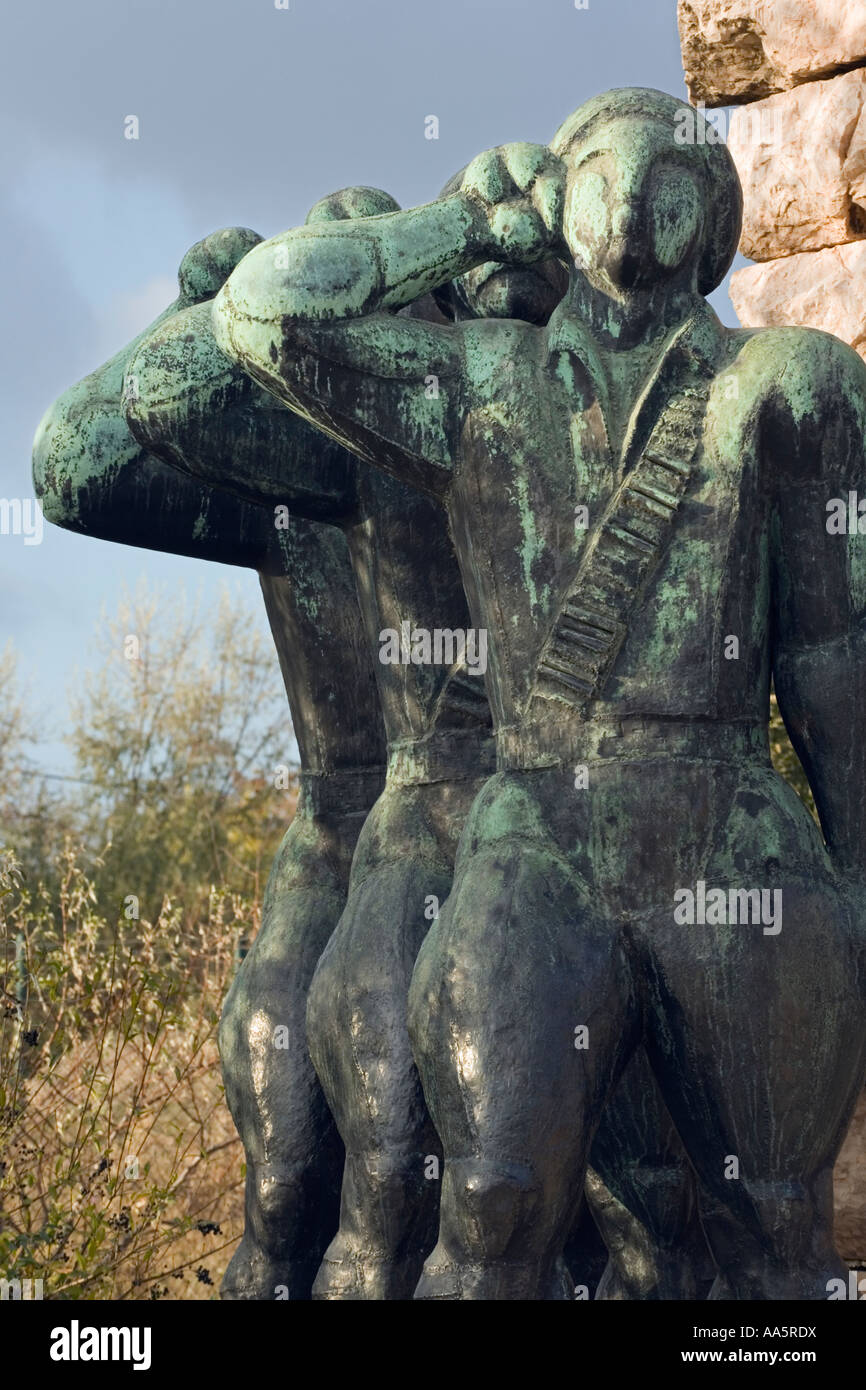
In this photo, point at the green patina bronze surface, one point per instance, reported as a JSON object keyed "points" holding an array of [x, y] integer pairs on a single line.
{"points": [[206, 418], [630, 488], [95, 478], [630, 661], [190, 405]]}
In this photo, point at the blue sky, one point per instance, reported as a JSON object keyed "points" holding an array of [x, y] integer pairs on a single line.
{"points": [[248, 114]]}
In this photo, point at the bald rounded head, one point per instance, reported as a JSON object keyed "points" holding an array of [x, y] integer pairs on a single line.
{"points": [[651, 192], [209, 263], [351, 202]]}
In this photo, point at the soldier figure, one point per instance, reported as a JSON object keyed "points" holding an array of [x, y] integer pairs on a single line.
{"points": [[630, 659], [94, 478]]}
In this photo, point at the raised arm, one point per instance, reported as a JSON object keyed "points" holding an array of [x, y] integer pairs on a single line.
{"points": [[188, 404], [815, 432], [93, 477], [310, 313], [193, 406]]}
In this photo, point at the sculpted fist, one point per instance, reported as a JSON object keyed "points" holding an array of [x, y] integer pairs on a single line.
{"points": [[522, 190], [352, 202], [209, 263]]}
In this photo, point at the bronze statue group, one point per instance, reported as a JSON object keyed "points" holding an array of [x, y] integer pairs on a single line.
{"points": [[511, 411]]}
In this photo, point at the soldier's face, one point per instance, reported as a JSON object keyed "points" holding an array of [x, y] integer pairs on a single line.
{"points": [[634, 207]]}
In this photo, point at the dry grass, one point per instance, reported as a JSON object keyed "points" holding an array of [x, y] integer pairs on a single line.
{"points": [[121, 1171], [121, 1175]]}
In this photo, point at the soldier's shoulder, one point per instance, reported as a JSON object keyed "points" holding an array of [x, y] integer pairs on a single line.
{"points": [[805, 391], [494, 346], [803, 366]]}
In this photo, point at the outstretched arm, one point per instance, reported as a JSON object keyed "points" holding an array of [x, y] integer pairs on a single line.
{"points": [[95, 478], [815, 430], [310, 314], [204, 414]]}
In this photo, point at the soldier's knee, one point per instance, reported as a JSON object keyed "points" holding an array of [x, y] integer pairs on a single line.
{"points": [[275, 1190], [230, 1029], [492, 1210], [784, 1222], [325, 989]]}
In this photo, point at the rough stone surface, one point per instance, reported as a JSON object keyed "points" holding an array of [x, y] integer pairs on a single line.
{"points": [[801, 157], [740, 50], [819, 289], [850, 1191]]}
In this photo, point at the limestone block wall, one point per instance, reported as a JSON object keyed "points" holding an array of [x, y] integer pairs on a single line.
{"points": [[796, 72], [742, 50]]}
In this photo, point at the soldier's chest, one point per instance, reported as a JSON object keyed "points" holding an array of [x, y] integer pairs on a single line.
{"points": [[551, 473], [538, 468]]}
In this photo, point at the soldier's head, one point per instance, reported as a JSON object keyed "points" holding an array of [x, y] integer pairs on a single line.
{"points": [[651, 195], [209, 263], [352, 202], [497, 291]]}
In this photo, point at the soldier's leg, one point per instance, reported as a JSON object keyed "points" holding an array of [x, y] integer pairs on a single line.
{"points": [[761, 1056], [585, 1253], [642, 1193], [521, 1017], [293, 1152], [358, 1036]]}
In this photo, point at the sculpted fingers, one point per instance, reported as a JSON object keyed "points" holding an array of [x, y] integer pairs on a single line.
{"points": [[526, 163], [486, 178], [352, 202], [522, 187], [548, 198]]}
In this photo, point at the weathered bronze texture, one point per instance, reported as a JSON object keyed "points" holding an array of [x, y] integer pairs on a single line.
{"points": [[194, 407], [638, 500], [94, 478], [185, 406]]}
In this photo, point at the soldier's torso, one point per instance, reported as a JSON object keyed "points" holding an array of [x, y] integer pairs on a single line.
{"points": [[677, 783], [538, 468], [437, 718], [409, 584]]}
